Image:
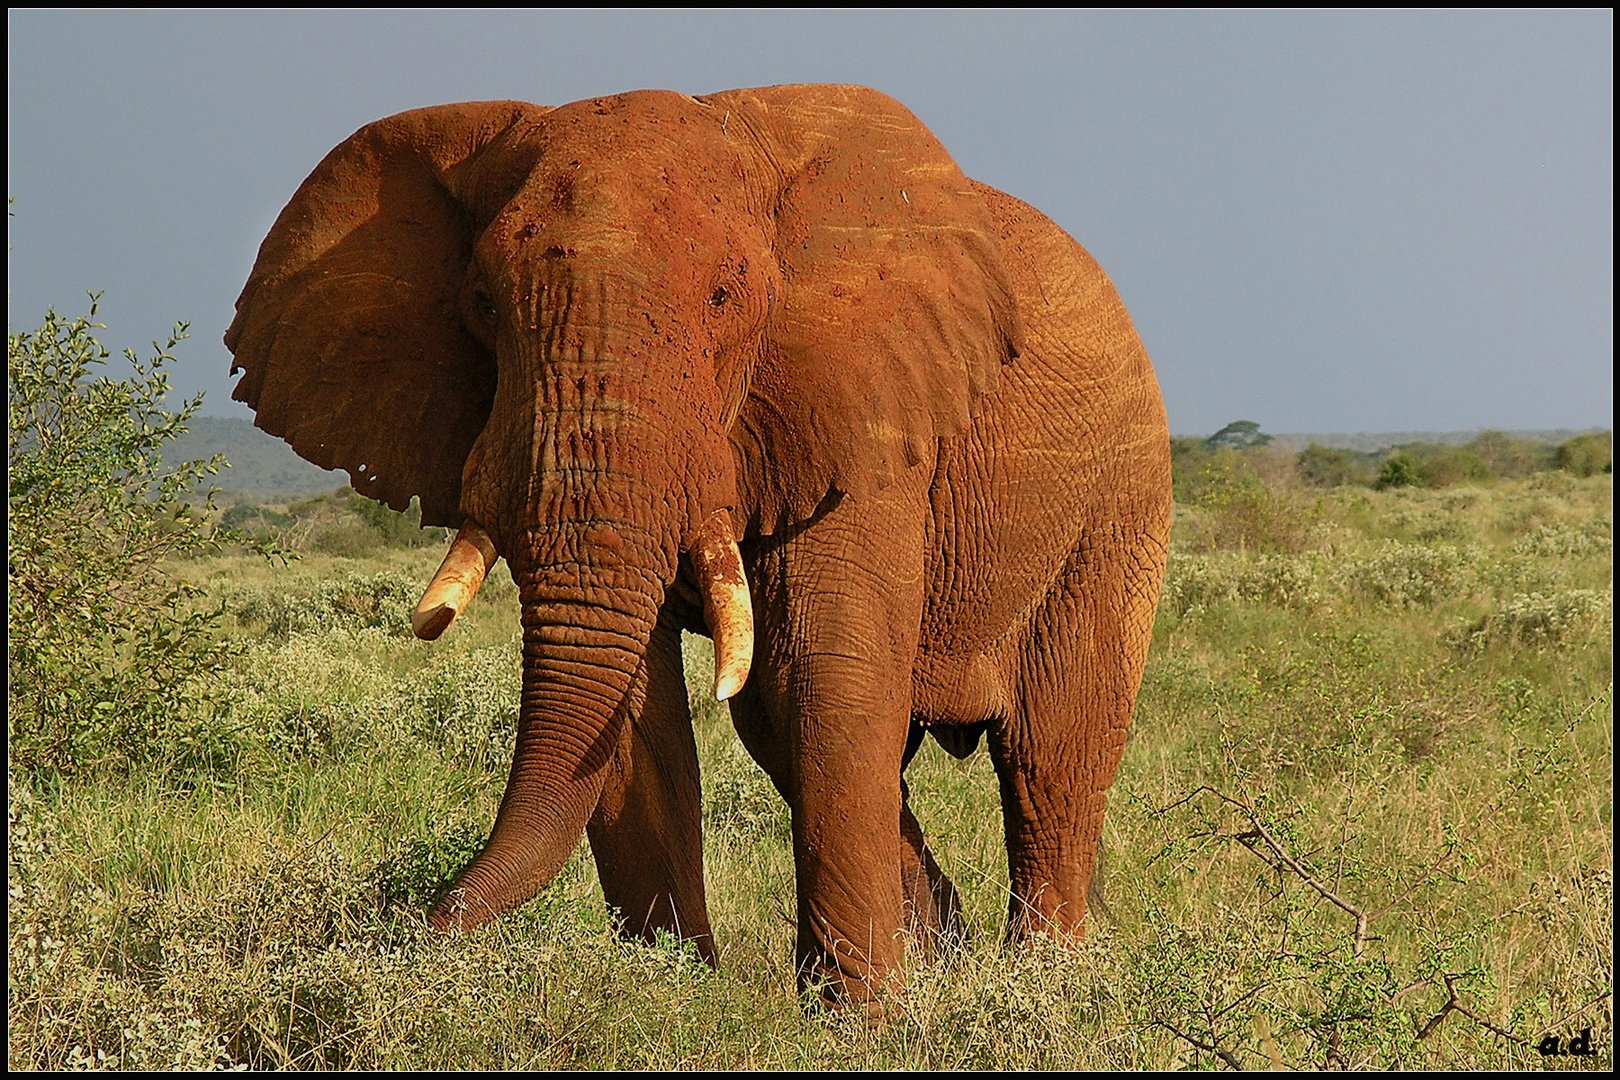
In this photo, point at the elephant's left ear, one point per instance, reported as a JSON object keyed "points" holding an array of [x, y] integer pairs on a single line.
{"points": [[897, 312]]}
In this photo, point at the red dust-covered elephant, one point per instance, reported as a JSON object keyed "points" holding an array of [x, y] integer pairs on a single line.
{"points": [[764, 365]]}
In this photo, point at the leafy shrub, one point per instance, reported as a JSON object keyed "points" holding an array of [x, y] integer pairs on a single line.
{"points": [[1329, 466], [1538, 618], [1434, 465], [382, 601], [1507, 456], [1408, 575], [1240, 512], [465, 705], [309, 696], [345, 523], [1455, 465], [1568, 542], [73, 1014], [739, 799], [1200, 581], [417, 872], [103, 638], [1587, 455], [260, 522], [1399, 470]]}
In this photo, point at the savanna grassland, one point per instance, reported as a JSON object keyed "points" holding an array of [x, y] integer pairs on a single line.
{"points": [[1364, 819]]}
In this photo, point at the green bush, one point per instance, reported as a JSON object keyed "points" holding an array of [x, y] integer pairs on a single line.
{"points": [[309, 696], [1239, 510], [1198, 582], [1541, 618], [261, 522], [739, 801], [1330, 466], [1509, 457], [465, 705], [417, 872], [1587, 455], [1409, 575], [1567, 541], [104, 639], [1399, 470], [381, 601], [1434, 465]]}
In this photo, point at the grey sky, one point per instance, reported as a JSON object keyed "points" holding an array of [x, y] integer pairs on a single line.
{"points": [[1328, 221]]}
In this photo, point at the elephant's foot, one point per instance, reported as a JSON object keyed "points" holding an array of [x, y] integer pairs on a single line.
{"points": [[836, 975]]}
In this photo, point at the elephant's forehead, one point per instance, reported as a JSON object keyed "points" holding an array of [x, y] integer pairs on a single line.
{"points": [[639, 131], [641, 168]]}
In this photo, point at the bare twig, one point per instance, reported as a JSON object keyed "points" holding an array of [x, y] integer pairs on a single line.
{"points": [[1454, 1004], [1218, 1050]]}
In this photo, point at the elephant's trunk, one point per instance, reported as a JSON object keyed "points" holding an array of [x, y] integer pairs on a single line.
{"points": [[716, 560], [584, 643], [621, 467]]}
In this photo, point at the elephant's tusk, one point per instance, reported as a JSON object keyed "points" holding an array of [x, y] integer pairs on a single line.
{"points": [[726, 604], [455, 583]]}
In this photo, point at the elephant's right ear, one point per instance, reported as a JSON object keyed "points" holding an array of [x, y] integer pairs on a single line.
{"points": [[349, 333]]}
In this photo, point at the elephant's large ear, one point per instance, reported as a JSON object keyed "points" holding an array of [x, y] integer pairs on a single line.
{"points": [[897, 312], [349, 333]]}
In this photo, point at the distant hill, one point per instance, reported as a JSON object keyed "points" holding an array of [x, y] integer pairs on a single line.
{"points": [[263, 468]]}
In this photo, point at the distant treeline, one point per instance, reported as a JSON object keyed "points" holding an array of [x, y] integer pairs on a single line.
{"points": [[1488, 456], [265, 469]]}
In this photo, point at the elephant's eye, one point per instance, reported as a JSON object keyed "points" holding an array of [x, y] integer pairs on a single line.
{"points": [[486, 306], [720, 297]]}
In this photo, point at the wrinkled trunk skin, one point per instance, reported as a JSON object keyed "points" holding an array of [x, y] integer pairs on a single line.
{"points": [[597, 460], [582, 648]]}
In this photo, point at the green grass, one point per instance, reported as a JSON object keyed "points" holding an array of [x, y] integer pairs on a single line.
{"points": [[1408, 694]]}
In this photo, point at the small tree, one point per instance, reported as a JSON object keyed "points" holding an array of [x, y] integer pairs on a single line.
{"points": [[1238, 435], [107, 647]]}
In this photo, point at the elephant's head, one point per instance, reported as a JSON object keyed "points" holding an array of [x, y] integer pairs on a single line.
{"points": [[602, 337]]}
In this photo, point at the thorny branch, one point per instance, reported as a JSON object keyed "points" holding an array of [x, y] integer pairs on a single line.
{"points": [[1265, 844]]}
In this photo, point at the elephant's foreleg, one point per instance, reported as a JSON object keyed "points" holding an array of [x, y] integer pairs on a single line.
{"points": [[834, 705], [647, 832]]}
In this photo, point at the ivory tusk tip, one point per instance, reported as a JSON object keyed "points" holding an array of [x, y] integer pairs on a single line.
{"points": [[726, 686], [429, 624]]}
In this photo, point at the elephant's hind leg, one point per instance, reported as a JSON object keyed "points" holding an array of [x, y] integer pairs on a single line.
{"points": [[1057, 752], [647, 832], [933, 906]]}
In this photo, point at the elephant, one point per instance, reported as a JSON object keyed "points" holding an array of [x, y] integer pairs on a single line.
{"points": [[764, 365]]}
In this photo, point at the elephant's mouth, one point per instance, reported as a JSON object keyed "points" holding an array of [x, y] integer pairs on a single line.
{"points": [[716, 562]]}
